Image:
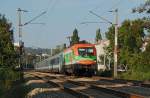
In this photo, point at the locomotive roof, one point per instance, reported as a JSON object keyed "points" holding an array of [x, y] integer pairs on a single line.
{"points": [[82, 45], [79, 45]]}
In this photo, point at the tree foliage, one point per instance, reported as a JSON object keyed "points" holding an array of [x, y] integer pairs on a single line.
{"points": [[7, 58], [98, 35], [7, 53], [143, 7], [131, 37], [75, 38]]}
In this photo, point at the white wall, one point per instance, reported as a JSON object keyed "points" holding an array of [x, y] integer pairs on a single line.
{"points": [[100, 51]]}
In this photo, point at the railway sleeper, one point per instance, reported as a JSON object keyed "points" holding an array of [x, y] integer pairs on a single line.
{"points": [[76, 93], [145, 85], [110, 91], [68, 90], [117, 93]]}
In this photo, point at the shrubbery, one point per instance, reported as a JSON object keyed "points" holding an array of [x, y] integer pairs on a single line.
{"points": [[7, 77], [106, 73], [138, 72]]}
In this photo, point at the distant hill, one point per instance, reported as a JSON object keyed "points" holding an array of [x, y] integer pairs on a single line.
{"points": [[37, 50]]}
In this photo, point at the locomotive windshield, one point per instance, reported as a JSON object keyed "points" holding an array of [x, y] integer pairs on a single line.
{"points": [[86, 51]]}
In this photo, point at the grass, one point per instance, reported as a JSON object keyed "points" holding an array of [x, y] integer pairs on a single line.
{"points": [[138, 72], [18, 91], [12, 84]]}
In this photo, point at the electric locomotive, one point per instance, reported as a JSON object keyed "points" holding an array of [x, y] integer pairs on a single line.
{"points": [[80, 59]]}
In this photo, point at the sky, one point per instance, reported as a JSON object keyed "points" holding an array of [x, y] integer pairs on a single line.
{"points": [[62, 17]]}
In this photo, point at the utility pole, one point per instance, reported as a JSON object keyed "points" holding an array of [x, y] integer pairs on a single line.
{"points": [[116, 38], [20, 34], [116, 44], [20, 25]]}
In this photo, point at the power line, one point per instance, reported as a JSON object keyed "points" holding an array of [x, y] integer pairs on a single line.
{"points": [[98, 6], [113, 7], [38, 23], [53, 5], [35, 18], [86, 22], [101, 17], [48, 6]]}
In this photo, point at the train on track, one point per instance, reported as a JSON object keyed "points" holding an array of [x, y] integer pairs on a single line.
{"points": [[79, 59]]}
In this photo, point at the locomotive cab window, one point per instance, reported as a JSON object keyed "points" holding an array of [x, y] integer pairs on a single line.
{"points": [[86, 51]]}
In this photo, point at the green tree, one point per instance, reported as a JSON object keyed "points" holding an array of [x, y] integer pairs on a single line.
{"points": [[75, 38], [139, 62], [64, 46], [143, 7], [98, 35], [7, 53], [7, 58], [130, 40], [110, 36]]}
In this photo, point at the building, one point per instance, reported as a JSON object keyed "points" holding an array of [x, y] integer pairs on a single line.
{"points": [[101, 55]]}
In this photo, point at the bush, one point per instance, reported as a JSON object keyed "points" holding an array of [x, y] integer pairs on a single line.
{"points": [[137, 72], [18, 91], [106, 73], [7, 77]]}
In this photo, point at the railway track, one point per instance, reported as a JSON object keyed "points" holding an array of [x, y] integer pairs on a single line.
{"points": [[91, 87], [39, 88], [60, 83], [131, 82], [128, 87]]}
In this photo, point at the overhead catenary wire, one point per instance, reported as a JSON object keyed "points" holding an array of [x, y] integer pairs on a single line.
{"points": [[115, 5], [101, 14], [53, 4], [101, 17], [48, 6], [35, 18], [112, 7], [91, 22], [98, 6], [38, 23]]}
